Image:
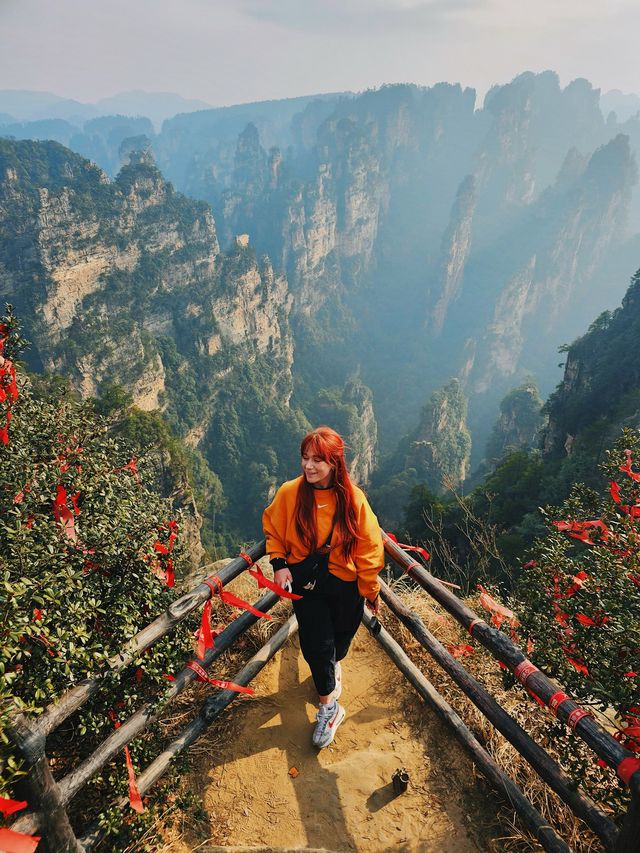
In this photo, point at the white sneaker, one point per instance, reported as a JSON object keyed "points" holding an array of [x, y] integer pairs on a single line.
{"points": [[337, 690], [328, 719]]}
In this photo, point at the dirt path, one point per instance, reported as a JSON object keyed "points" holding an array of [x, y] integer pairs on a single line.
{"points": [[341, 799]]}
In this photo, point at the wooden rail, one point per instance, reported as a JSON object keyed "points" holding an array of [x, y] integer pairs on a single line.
{"points": [[46, 797], [504, 650], [581, 805], [532, 819]]}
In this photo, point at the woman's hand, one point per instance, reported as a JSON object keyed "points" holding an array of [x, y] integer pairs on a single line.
{"points": [[283, 577], [373, 606]]}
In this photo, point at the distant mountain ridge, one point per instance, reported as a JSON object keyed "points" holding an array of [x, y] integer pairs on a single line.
{"points": [[26, 106]]}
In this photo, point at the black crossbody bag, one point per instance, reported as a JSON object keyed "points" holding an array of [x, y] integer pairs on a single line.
{"points": [[309, 575]]}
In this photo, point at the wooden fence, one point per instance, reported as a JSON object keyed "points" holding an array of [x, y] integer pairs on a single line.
{"points": [[48, 799]]}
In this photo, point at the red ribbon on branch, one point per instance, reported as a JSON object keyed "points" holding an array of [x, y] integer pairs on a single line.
{"points": [[626, 468], [8, 385], [132, 466], [63, 515], [579, 530], [217, 682], [575, 660], [167, 574], [583, 619]]}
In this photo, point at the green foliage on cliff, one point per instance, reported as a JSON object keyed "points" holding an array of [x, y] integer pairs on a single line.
{"points": [[602, 378], [579, 592], [253, 442], [599, 396], [519, 423], [436, 454], [80, 575]]}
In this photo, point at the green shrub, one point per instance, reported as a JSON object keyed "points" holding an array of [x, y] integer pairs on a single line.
{"points": [[80, 574]]}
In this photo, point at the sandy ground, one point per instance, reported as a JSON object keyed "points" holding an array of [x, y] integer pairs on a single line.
{"points": [[341, 798]]}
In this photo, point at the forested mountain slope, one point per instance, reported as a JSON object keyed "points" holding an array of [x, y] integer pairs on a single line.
{"points": [[123, 283]]}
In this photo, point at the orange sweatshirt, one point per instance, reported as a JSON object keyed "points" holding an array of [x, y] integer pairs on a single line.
{"points": [[278, 521]]}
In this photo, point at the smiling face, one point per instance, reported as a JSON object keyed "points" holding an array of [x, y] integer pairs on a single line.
{"points": [[317, 472]]}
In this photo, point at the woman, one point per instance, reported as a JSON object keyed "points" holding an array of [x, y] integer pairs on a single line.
{"points": [[324, 540]]}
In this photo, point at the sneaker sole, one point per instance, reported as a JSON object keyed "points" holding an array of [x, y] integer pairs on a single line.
{"points": [[331, 728]]}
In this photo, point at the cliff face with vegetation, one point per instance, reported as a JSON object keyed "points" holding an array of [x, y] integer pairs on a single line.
{"points": [[123, 283], [600, 390], [413, 238]]}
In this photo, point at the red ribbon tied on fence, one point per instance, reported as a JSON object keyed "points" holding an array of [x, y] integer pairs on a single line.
{"points": [[422, 551], [263, 581], [205, 637], [9, 807], [523, 670], [215, 585], [499, 613], [217, 682], [11, 841], [556, 700], [17, 842], [575, 716], [135, 800]]}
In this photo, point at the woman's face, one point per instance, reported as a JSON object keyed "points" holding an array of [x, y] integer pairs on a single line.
{"points": [[316, 471]]}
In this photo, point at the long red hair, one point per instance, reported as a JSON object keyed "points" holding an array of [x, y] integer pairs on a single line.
{"points": [[329, 446]]}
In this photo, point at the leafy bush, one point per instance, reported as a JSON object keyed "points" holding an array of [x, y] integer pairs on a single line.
{"points": [[579, 592], [86, 553], [579, 605]]}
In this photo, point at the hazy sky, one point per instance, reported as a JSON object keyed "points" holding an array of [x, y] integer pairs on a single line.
{"points": [[230, 51]]}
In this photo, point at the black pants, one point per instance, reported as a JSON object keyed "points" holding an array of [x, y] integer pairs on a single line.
{"points": [[328, 617]]}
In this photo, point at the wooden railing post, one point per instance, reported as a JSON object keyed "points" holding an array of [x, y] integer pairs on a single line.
{"points": [[42, 792], [629, 838]]}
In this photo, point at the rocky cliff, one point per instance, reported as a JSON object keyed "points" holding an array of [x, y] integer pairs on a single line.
{"points": [[123, 283], [406, 214]]}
